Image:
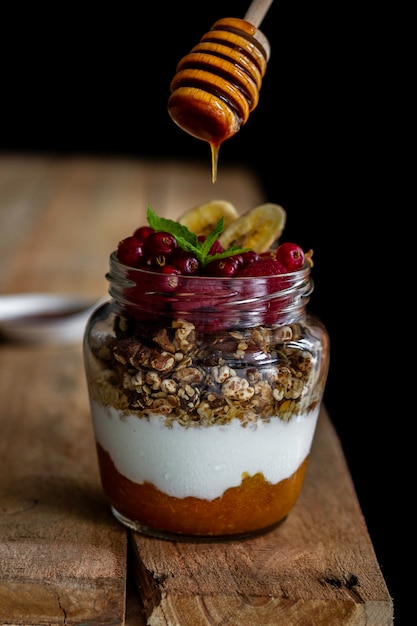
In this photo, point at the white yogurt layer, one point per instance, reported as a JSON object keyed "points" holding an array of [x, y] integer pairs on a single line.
{"points": [[202, 461]]}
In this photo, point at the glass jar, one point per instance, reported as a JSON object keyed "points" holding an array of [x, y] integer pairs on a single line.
{"points": [[205, 394]]}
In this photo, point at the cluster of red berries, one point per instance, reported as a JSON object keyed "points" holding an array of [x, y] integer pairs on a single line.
{"points": [[159, 251]]}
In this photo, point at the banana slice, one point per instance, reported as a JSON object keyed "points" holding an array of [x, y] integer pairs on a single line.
{"points": [[256, 229], [202, 218]]}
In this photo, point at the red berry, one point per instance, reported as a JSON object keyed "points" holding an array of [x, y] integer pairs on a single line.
{"points": [[222, 267], [143, 232], [245, 258], [186, 262], [168, 278], [158, 247], [264, 266], [130, 251], [291, 256], [159, 243]]}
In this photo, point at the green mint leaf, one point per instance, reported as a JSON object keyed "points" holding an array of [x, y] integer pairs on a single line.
{"points": [[189, 241], [170, 226], [212, 236]]}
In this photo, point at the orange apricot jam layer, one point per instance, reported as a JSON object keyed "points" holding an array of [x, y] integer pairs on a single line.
{"points": [[252, 506]]}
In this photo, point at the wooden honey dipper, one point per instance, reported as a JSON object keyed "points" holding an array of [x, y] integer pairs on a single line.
{"points": [[216, 85]]}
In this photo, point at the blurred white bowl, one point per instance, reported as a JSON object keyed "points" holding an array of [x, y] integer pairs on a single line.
{"points": [[44, 317]]}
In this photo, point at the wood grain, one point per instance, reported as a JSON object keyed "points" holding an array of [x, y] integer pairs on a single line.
{"points": [[62, 554]]}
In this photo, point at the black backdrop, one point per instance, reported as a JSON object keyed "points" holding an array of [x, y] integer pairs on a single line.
{"points": [[97, 82]]}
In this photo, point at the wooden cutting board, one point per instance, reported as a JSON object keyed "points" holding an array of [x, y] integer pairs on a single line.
{"points": [[62, 554]]}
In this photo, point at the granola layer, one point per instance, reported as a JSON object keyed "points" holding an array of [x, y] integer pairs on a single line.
{"points": [[193, 379]]}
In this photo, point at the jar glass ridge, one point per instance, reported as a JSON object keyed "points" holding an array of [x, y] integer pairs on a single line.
{"points": [[205, 394]]}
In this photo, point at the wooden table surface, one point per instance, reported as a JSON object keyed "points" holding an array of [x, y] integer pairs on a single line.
{"points": [[63, 558]]}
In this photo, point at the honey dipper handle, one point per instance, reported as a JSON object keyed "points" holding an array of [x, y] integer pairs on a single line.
{"points": [[257, 11]]}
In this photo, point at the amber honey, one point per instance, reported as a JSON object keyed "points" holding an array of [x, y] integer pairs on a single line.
{"points": [[216, 85]]}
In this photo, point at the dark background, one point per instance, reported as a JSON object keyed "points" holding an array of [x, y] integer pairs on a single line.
{"points": [[97, 82]]}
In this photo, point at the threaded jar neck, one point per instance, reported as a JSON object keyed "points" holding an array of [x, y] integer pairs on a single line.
{"points": [[211, 301]]}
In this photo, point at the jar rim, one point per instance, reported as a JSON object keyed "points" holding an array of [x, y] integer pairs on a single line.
{"points": [[302, 272]]}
